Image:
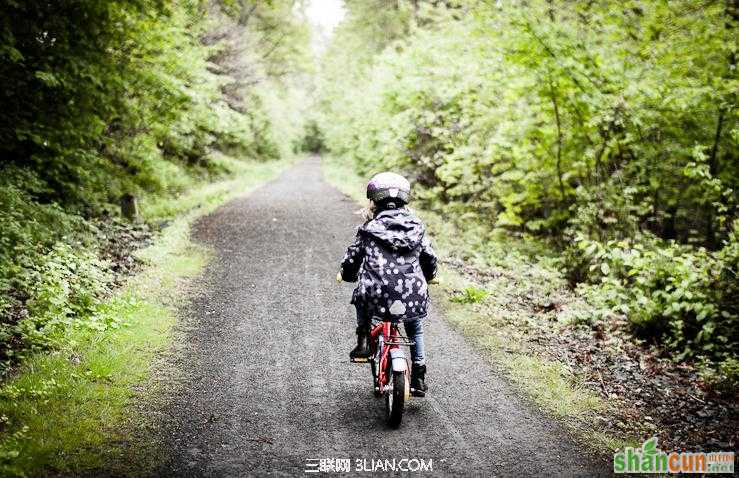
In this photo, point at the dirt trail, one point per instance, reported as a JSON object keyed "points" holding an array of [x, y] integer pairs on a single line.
{"points": [[265, 382]]}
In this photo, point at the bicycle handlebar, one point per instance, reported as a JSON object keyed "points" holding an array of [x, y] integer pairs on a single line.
{"points": [[434, 281]]}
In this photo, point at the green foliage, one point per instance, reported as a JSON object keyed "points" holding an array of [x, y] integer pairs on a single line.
{"points": [[724, 378], [62, 287], [113, 97], [27, 227], [313, 141], [606, 127], [526, 115], [684, 297], [470, 295], [105, 98]]}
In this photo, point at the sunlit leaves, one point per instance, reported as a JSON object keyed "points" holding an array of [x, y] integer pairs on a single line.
{"points": [[586, 122]]}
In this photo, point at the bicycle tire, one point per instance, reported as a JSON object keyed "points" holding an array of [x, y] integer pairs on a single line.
{"points": [[395, 400]]}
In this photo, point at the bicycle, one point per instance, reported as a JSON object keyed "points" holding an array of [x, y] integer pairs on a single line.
{"points": [[390, 370]]}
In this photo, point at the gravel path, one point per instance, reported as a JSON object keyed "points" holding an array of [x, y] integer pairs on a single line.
{"points": [[265, 383]]}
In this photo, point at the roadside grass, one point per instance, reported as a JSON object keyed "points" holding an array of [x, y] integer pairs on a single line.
{"points": [[494, 327], [64, 411], [491, 309]]}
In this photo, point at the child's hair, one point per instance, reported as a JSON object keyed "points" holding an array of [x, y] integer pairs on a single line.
{"points": [[368, 212]]}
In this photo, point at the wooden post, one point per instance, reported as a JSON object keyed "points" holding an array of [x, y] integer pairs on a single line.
{"points": [[129, 207]]}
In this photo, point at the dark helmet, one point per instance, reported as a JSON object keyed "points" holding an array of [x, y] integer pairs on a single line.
{"points": [[388, 186]]}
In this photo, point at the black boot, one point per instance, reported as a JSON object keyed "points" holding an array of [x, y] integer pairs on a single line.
{"points": [[418, 380], [362, 350]]}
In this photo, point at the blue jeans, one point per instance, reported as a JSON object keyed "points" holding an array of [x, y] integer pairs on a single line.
{"points": [[414, 331]]}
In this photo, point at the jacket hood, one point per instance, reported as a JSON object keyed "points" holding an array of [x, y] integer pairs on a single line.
{"points": [[398, 229]]}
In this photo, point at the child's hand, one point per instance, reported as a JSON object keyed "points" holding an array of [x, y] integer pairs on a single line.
{"points": [[338, 277]]}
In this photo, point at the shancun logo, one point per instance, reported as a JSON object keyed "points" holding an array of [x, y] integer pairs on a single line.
{"points": [[650, 459]]}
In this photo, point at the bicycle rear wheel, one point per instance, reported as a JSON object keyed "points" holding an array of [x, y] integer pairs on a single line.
{"points": [[395, 399], [375, 379]]}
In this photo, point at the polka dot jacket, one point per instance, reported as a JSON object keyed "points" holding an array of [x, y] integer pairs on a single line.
{"points": [[391, 260]]}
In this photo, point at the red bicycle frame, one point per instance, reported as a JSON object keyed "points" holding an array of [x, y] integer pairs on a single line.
{"points": [[388, 331], [392, 379]]}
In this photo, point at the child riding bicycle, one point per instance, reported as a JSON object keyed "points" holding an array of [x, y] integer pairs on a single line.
{"points": [[392, 261]]}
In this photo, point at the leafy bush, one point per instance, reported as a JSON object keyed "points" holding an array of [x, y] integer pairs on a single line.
{"points": [[62, 287], [681, 296], [470, 295], [723, 378]]}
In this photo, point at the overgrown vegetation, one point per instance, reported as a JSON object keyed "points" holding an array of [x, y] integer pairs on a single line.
{"points": [[104, 99], [470, 295], [607, 129], [66, 411]]}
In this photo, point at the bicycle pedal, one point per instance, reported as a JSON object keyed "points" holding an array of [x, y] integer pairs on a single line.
{"points": [[359, 360], [418, 393]]}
